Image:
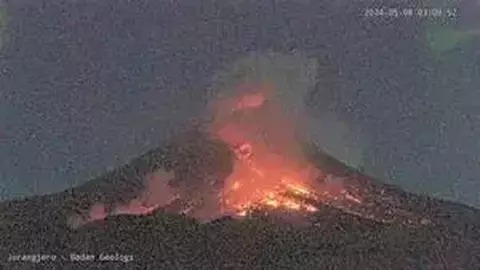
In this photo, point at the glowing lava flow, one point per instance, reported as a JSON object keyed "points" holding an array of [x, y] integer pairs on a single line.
{"points": [[250, 187], [270, 170]]}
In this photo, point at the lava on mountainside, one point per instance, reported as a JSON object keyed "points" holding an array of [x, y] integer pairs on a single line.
{"points": [[270, 169], [270, 172]]}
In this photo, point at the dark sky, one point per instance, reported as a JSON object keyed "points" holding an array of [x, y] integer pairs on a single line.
{"points": [[87, 85]]}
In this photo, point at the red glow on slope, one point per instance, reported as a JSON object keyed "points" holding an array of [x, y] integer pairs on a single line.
{"points": [[270, 165], [156, 195]]}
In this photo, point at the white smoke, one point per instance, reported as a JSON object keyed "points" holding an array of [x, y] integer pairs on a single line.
{"points": [[157, 194], [294, 76]]}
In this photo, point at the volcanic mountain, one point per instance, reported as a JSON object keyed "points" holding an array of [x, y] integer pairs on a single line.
{"points": [[244, 191], [363, 224]]}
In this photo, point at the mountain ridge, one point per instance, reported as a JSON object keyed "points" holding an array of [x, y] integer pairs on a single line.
{"points": [[376, 235]]}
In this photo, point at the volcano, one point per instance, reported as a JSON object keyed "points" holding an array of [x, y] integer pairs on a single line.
{"points": [[245, 191], [363, 224]]}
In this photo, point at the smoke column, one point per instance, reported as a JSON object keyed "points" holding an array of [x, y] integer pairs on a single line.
{"points": [[293, 77]]}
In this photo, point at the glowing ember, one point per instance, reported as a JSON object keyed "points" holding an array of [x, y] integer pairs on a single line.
{"points": [[270, 171], [236, 185], [281, 199], [277, 198]]}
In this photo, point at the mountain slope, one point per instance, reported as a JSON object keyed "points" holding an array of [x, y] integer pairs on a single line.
{"points": [[391, 229]]}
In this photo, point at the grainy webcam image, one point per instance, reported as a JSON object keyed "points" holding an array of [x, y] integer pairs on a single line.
{"points": [[240, 134]]}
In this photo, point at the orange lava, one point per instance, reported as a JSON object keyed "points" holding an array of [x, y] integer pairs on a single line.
{"points": [[270, 170], [257, 184]]}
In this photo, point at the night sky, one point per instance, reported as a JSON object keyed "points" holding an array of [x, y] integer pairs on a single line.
{"points": [[87, 85]]}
